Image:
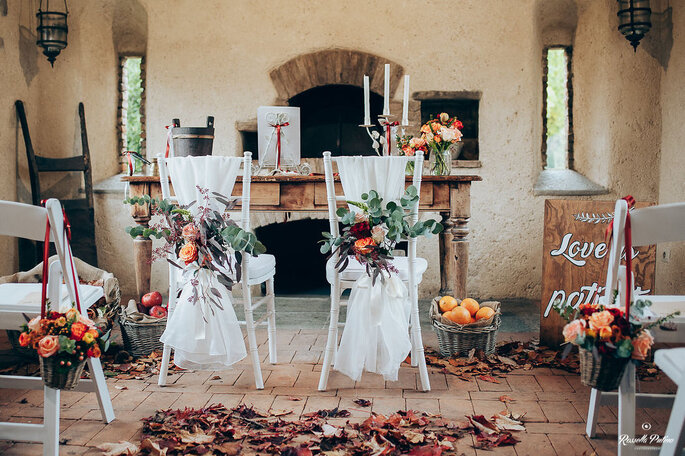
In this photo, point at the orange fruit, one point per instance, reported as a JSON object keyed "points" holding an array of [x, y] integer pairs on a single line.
{"points": [[484, 312], [459, 315], [447, 303], [471, 305]]}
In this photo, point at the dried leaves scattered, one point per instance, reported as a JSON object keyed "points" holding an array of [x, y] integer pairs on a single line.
{"points": [[245, 430], [515, 355]]}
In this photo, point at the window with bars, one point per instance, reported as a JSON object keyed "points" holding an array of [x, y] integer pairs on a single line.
{"points": [[557, 141], [132, 106]]}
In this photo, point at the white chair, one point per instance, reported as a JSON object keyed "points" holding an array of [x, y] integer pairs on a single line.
{"points": [[671, 362], [255, 271], [649, 225], [29, 222], [411, 272]]}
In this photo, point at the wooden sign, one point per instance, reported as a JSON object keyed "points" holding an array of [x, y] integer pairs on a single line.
{"points": [[575, 258]]}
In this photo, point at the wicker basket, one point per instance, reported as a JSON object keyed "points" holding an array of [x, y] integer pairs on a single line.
{"points": [[603, 372], [57, 377], [141, 339], [458, 340]]}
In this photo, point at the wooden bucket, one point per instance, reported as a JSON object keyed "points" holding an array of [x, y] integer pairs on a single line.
{"points": [[193, 141]]}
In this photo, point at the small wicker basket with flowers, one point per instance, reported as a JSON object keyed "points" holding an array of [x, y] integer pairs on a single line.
{"points": [[64, 341], [608, 340], [463, 325]]}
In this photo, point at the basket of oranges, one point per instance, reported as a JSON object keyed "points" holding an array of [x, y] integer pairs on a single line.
{"points": [[464, 325]]}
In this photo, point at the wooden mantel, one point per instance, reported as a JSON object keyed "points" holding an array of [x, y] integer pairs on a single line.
{"points": [[448, 195]]}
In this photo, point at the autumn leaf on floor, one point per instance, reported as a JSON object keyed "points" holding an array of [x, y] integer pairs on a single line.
{"points": [[362, 402], [506, 399], [117, 449], [488, 378]]}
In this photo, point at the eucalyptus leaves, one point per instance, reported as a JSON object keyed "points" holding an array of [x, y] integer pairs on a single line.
{"points": [[371, 232]]}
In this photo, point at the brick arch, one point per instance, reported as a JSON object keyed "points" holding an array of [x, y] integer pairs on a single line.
{"points": [[333, 66]]}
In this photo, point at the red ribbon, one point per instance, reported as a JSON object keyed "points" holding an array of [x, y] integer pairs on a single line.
{"points": [[628, 244], [166, 154], [46, 256], [278, 142], [387, 132]]}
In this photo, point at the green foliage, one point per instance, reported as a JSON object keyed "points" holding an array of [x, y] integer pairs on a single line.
{"points": [[557, 109], [134, 92]]}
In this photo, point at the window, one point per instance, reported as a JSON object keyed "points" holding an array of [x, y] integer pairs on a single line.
{"points": [[131, 106], [557, 144]]}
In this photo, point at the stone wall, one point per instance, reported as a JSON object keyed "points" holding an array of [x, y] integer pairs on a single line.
{"points": [[219, 59]]}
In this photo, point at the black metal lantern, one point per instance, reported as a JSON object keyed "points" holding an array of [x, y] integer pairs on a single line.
{"points": [[634, 20], [52, 30]]}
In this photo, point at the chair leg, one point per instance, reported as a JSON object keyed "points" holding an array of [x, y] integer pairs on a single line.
{"points": [[101, 390], [332, 341], [271, 319], [414, 344], [593, 413], [675, 437], [51, 421], [251, 338], [417, 341], [164, 365], [626, 410]]}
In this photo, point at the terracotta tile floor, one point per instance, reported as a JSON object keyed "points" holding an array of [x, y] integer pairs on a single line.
{"points": [[555, 403]]}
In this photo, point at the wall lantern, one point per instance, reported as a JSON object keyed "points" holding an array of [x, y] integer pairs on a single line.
{"points": [[52, 30], [634, 20]]}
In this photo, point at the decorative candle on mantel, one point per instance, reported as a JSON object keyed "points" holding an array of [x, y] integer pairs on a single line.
{"points": [[386, 91], [405, 104], [367, 108]]}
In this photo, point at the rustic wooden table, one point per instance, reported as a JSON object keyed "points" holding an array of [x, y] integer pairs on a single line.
{"points": [[448, 195]]}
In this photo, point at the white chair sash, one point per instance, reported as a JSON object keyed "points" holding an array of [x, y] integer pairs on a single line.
{"points": [[216, 173], [360, 174]]}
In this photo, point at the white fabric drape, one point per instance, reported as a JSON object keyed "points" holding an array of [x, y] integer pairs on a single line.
{"points": [[376, 333], [360, 174], [203, 335], [216, 173]]}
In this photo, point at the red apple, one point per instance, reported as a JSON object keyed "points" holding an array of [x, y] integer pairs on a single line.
{"points": [[158, 312], [151, 299]]}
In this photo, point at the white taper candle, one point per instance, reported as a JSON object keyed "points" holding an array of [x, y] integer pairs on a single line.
{"points": [[386, 91], [405, 104], [367, 101]]}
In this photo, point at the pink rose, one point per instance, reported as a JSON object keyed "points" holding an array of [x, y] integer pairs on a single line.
{"points": [[417, 143], [48, 346], [86, 321], [642, 344], [34, 324], [360, 217], [573, 330], [377, 234], [599, 319], [444, 117], [190, 232]]}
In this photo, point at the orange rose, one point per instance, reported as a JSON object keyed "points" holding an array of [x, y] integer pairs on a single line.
{"points": [[188, 253], [94, 332], [78, 329], [94, 351], [642, 344], [364, 246], [436, 127], [408, 151], [24, 339], [605, 333], [72, 314], [86, 321], [48, 346], [426, 128], [599, 319]]}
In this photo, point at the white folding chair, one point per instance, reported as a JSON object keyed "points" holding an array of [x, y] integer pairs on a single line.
{"points": [[411, 272], [255, 271], [649, 225], [29, 222]]}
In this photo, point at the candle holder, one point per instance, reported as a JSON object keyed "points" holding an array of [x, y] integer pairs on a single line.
{"points": [[389, 130]]}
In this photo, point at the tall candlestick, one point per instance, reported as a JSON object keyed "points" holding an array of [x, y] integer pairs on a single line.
{"points": [[386, 91], [405, 104], [367, 108]]}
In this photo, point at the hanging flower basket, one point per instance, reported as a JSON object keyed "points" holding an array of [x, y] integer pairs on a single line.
{"points": [[601, 372], [60, 377]]}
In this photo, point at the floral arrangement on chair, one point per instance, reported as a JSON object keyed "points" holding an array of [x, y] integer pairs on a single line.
{"points": [[605, 333], [371, 234], [207, 240]]}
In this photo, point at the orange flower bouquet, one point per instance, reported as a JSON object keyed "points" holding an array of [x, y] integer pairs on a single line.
{"points": [[608, 340], [439, 134], [64, 341]]}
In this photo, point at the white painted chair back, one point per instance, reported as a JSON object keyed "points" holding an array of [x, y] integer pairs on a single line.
{"points": [[649, 225], [394, 184], [228, 166], [29, 222]]}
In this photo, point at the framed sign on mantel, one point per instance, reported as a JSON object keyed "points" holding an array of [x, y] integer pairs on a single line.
{"points": [[575, 257]]}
